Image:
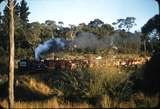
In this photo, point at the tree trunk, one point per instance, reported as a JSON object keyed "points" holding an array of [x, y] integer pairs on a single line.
{"points": [[145, 48], [11, 56]]}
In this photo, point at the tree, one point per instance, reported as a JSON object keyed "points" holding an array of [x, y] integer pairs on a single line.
{"points": [[33, 33], [144, 39], [126, 23], [46, 32], [60, 24], [106, 30], [152, 25], [51, 26], [51, 23], [73, 30], [5, 23], [24, 11], [96, 23], [16, 9], [11, 55]]}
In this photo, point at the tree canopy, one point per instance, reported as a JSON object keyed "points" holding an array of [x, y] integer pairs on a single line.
{"points": [[153, 23], [126, 23]]}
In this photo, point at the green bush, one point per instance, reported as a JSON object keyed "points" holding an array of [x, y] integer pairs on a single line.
{"points": [[118, 87], [21, 53], [86, 84]]}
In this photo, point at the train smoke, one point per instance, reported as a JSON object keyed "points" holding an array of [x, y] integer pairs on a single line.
{"points": [[52, 45], [86, 40], [83, 40]]}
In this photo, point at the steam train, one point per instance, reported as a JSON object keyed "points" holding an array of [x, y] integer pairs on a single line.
{"points": [[25, 65]]}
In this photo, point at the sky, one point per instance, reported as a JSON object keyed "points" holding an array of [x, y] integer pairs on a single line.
{"points": [[79, 11]]}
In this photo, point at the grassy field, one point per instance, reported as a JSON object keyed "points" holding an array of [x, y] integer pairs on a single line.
{"points": [[81, 88]]}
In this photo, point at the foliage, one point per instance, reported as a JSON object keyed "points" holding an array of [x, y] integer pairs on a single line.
{"points": [[126, 23], [153, 23], [24, 11], [151, 32], [111, 87], [29, 35], [96, 23]]}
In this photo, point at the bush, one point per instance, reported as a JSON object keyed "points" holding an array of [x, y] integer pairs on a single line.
{"points": [[21, 53], [119, 89], [91, 86], [73, 84]]}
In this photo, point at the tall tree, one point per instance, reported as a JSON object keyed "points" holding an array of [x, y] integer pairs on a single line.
{"points": [[16, 9], [24, 11], [126, 23], [96, 23], [60, 24], [151, 25], [51, 25], [11, 55], [72, 31], [5, 23]]}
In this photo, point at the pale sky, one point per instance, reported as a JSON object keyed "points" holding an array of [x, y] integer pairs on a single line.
{"points": [[78, 11]]}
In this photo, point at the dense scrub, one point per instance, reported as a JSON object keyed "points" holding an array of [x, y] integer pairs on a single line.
{"points": [[98, 88]]}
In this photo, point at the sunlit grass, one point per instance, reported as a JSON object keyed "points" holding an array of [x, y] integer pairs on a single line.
{"points": [[52, 103], [99, 86]]}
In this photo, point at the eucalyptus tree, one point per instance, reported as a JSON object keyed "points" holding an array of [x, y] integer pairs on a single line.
{"points": [[24, 11], [11, 55], [126, 23], [60, 24]]}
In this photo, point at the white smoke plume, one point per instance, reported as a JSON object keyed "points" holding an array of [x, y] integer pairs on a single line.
{"points": [[90, 41], [85, 40], [52, 45]]}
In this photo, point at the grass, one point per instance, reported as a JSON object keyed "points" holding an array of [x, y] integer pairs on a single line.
{"points": [[106, 87], [52, 103]]}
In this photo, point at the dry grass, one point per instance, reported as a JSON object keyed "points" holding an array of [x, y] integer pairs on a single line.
{"points": [[110, 83], [39, 86], [143, 101], [52, 103]]}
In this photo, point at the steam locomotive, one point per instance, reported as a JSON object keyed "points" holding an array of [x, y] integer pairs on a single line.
{"points": [[25, 65]]}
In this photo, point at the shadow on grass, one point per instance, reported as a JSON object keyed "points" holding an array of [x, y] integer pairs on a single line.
{"points": [[23, 93], [72, 83]]}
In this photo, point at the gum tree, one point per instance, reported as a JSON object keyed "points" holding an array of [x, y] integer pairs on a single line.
{"points": [[11, 54]]}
